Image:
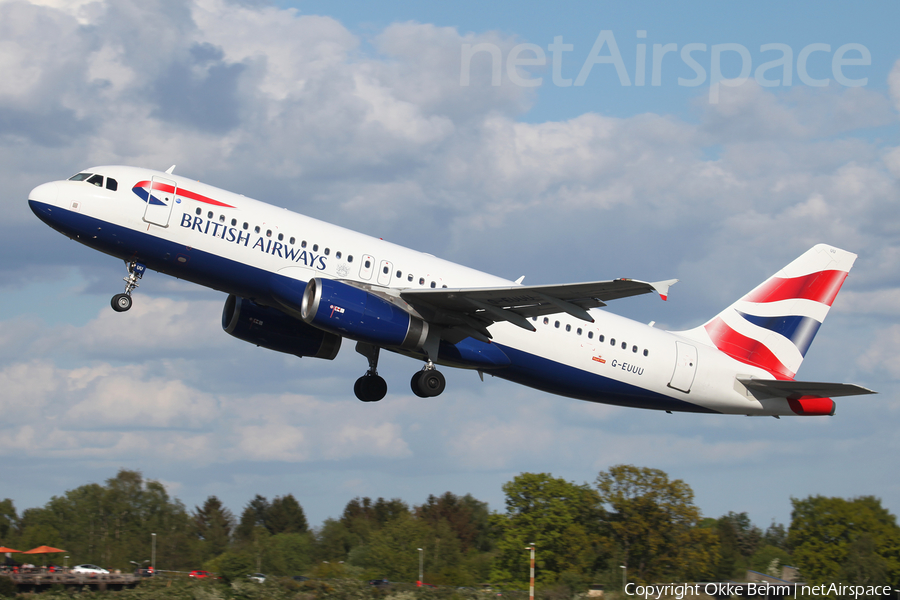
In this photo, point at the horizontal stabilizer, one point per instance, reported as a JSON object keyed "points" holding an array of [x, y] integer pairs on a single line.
{"points": [[804, 389]]}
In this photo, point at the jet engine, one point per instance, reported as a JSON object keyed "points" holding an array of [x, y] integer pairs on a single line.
{"points": [[352, 312], [270, 328]]}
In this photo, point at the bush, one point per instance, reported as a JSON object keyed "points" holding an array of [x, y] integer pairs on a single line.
{"points": [[7, 588]]}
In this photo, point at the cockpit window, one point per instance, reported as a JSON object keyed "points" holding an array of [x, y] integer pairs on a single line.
{"points": [[112, 184], [96, 180], [80, 177]]}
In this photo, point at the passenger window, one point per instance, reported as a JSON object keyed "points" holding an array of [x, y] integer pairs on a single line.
{"points": [[368, 264], [327, 251], [280, 236], [209, 215], [590, 335], [199, 211], [433, 284], [399, 275], [602, 337], [634, 349], [612, 341], [444, 286], [233, 222], [246, 226], [292, 240], [421, 281], [409, 277], [256, 229], [624, 345], [96, 180], [578, 331], [268, 233], [568, 328], [646, 352], [315, 247], [546, 321], [221, 218], [385, 270], [112, 184], [349, 258], [303, 244], [556, 324], [337, 254]]}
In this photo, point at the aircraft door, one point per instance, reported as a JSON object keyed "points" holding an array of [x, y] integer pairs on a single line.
{"points": [[366, 267], [685, 367], [160, 200], [384, 273]]}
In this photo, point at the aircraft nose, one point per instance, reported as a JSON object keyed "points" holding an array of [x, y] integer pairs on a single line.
{"points": [[42, 201], [45, 193]]}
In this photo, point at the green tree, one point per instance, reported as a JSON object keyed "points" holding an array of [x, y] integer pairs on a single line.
{"points": [[739, 539], [467, 517], [9, 520], [112, 524], [831, 539], [254, 516], [362, 517], [288, 554], [561, 518], [285, 515], [653, 524], [333, 541], [213, 524]]}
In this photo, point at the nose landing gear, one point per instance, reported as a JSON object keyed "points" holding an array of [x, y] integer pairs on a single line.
{"points": [[122, 302]]}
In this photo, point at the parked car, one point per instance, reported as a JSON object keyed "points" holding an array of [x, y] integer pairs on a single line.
{"points": [[90, 569], [380, 582], [300, 578], [200, 574], [257, 577]]}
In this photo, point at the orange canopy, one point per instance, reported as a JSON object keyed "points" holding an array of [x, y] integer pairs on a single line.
{"points": [[5, 549], [43, 550]]}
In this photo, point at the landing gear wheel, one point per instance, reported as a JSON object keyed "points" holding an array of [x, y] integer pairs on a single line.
{"points": [[428, 383], [370, 388], [120, 302], [414, 384]]}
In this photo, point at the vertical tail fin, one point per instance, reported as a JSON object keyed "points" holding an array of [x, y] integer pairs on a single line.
{"points": [[773, 326]]}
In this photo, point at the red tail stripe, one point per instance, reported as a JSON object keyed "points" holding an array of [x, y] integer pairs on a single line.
{"points": [[746, 350], [819, 287], [163, 187]]}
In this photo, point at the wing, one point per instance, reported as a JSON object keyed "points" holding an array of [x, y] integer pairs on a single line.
{"points": [[808, 389], [472, 310]]}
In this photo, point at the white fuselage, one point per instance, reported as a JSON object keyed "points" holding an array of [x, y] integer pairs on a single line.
{"points": [[236, 244]]}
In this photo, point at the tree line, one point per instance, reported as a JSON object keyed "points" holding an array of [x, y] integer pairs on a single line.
{"points": [[632, 517]]}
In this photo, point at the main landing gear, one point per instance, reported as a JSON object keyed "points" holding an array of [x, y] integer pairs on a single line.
{"points": [[428, 382], [122, 302], [371, 387]]}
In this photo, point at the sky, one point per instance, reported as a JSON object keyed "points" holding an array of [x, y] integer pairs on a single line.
{"points": [[708, 142]]}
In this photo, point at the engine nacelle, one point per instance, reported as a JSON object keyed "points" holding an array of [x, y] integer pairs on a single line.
{"points": [[355, 313], [270, 328]]}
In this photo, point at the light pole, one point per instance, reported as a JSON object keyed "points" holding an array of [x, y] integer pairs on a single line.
{"points": [[153, 553], [421, 574], [531, 585], [624, 572]]}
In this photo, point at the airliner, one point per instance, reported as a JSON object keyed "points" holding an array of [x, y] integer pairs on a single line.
{"points": [[301, 286]]}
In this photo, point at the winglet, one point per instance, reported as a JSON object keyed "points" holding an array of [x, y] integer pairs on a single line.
{"points": [[170, 169], [662, 287]]}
